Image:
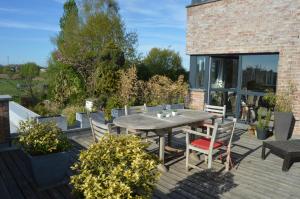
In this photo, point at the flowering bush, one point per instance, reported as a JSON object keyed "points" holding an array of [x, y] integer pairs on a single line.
{"points": [[116, 167], [42, 138]]}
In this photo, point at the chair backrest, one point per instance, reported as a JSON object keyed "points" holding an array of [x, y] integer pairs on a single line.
{"points": [[129, 110], [216, 110], [99, 128], [223, 132]]}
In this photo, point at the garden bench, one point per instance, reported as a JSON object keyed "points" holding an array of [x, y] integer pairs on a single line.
{"points": [[288, 150]]}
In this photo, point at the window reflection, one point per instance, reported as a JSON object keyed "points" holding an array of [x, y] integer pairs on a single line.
{"points": [[219, 98], [224, 72], [197, 71], [200, 70], [259, 72]]}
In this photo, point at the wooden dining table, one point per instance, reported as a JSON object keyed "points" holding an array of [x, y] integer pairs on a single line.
{"points": [[149, 122]]}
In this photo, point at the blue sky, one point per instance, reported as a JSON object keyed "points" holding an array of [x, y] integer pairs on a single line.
{"points": [[26, 27]]}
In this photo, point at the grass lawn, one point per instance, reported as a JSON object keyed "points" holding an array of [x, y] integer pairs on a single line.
{"points": [[9, 87]]}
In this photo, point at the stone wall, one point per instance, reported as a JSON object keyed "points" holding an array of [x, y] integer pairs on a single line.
{"points": [[250, 26], [4, 118]]}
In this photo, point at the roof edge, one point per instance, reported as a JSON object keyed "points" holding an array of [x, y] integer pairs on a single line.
{"points": [[201, 3]]}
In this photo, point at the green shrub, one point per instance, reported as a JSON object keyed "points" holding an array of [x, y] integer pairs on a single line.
{"points": [[46, 109], [70, 113], [42, 138], [116, 167], [112, 102]]}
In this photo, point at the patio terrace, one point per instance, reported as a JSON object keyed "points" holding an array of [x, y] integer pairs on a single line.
{"points": [[251, 178]]}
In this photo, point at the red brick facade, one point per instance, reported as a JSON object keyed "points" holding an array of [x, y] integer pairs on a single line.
{"points": [[4, 120], [250, 26], [196, 99]]}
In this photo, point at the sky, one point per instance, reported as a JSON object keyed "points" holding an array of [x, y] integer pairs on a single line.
{"points": [[27, 26]]}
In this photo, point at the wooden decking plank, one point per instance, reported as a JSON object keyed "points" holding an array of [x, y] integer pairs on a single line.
{"points": [[27, 190], [16, 155], [3, 190], [55, 193], [171, 190], [184, 185], [12, 186]]}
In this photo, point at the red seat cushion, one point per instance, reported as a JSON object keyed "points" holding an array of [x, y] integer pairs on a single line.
{"points": [[203, 143]]}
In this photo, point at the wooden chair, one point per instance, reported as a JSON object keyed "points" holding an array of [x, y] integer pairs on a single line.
{"points": [[219, 113], [99, 128], [129, 110], [209, 144]]}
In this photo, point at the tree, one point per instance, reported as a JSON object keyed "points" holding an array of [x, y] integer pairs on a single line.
{"points": [[28, 72], [161, 62], [84, 38], [65, 85]]}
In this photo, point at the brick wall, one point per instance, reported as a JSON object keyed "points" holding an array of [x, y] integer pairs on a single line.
{"points": [[250, 26], [196, 99], [4, 118]]}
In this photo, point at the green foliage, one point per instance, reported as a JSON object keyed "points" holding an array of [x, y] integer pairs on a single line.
{"points": [[95, 44], [70, 113], [270, 98], [263, 118], [42, 138], [106, 76], [112, 102], [46, 109], [116, 167], [162, 62], [28, 72], [65, 85]]}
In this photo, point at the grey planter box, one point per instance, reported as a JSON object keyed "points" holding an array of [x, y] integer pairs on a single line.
{"points": [[84, 120], [283, 125], [174, 106], [117, 112], [59, 120], [49, 170]]}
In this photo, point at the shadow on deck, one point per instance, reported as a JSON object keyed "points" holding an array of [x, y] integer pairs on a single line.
{"points": [[251, 177]]}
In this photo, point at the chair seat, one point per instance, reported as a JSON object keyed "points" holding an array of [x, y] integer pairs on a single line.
{"points": [[203, 143]]}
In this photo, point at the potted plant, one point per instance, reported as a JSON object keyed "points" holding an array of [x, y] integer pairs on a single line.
{"points": [[262, 127], [283, 116], [116, 167], [174, 112], [45, 147], [160, 114]]}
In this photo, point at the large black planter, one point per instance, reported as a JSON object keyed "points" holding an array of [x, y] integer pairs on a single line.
{"points": [[283, 125], [262, 133], [49, 170]]}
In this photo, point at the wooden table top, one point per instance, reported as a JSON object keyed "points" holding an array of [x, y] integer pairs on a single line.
{"points": [[150, 121]]}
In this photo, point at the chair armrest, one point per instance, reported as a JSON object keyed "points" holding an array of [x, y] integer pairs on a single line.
{"points": [[195, 132], [209, 126]]}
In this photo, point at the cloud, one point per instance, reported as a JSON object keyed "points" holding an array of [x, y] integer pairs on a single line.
{"points": [[8, 9], [60, 1], [32, 26]]}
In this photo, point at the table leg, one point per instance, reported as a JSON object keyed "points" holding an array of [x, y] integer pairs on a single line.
{"points": [[263, 152], [170, 137], [286, 163], [161, 166]]}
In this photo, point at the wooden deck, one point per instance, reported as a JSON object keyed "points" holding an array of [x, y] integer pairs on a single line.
{"points": [[251, 178]]}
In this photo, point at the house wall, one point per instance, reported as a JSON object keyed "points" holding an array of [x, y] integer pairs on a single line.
{"points": [[250, 26]]}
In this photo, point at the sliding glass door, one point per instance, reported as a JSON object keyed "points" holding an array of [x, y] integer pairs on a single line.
{"points": [[237, 81]]}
